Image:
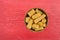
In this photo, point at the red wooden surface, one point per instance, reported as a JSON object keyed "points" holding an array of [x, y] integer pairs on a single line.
{"points": [[12, 13]]}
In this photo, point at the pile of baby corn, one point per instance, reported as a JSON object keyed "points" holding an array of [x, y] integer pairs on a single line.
{"points": [[36, 20]]}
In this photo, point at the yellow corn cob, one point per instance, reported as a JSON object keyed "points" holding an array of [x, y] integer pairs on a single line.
{"points": [[31, 12], [36, 16], [40, 18], [29, 25]]}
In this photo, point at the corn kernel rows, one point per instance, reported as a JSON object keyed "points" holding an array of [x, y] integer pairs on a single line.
{"points": [[36, 20]]}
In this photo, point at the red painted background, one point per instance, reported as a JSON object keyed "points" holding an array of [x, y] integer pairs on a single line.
{"points": [[12, 13]]}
